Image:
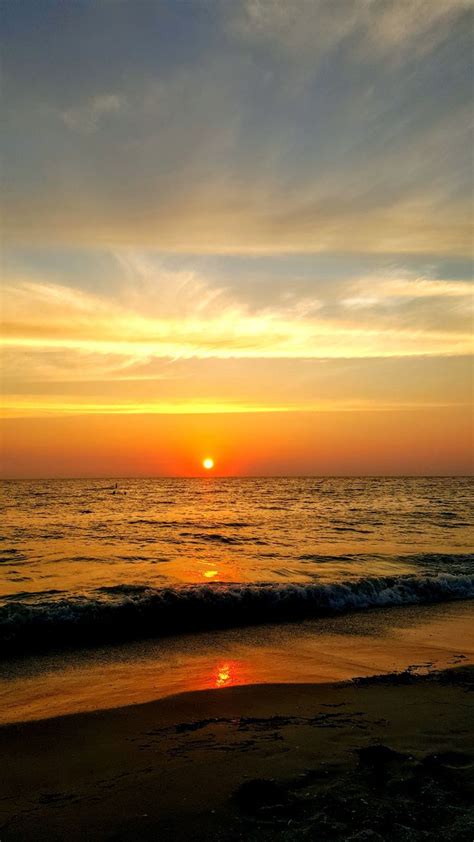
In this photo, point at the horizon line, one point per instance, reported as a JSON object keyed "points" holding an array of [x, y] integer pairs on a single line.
{"points": [[208, 477]]}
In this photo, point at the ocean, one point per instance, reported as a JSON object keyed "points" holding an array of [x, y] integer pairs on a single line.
{"points": [[171, 566]]}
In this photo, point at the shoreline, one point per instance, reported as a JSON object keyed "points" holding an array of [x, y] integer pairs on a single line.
{"points": [[255, 761], [130, 613], [322, 651]]}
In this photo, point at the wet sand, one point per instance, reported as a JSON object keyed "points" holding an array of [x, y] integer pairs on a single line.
{"points": [[387, 758], [326, 650]]}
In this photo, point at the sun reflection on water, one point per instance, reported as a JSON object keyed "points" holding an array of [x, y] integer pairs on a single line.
{"points": [[227, 674]]}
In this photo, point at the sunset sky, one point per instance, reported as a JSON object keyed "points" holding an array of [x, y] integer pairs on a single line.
{"points": [[239, 229]]}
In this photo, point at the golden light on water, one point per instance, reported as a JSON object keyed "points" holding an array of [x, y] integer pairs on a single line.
{"points": [[208, 464], [232, 672], [224, 676]]}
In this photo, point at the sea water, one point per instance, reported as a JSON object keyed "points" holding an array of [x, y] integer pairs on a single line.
{"points": [[162, 571]]}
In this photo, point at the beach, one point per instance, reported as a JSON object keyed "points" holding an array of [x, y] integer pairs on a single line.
{"points": [[420, 638], [237, 659], [387, 758]]}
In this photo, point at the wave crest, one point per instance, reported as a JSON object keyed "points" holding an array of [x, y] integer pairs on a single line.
{"points": [[125, 612]]}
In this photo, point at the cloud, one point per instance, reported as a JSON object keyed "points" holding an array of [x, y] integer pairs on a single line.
{"points": [[157, 313], [165, 188], [211, 150], [272, 222], [374, 289], [164, 338], [65, 382], [86, 118], [308, 29], [410, 301]]}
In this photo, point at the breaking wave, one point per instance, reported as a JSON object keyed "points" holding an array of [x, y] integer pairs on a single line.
{"points": [[126, 612]]}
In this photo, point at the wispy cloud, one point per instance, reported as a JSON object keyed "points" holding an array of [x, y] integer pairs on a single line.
{"points": [[307, 29], [266, 135], [271, 223], [374, 289], [211, 149], [87, 117], [180, 315]]}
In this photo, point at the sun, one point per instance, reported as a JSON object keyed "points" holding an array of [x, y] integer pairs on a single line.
{"points": [[208, 464]]}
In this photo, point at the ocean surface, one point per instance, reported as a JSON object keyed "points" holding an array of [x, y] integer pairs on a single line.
{"points": [[89, 562]]}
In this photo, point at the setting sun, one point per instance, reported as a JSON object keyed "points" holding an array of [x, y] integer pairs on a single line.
{"points": [[208, 464]]}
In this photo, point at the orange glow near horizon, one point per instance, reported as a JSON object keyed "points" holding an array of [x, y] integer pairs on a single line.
{"points": [[436, 441]]}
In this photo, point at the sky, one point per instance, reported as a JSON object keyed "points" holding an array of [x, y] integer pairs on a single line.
{"points": [[239, 229]]}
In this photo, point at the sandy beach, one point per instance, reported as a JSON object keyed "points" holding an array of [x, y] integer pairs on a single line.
{"points": [[387, 758]]}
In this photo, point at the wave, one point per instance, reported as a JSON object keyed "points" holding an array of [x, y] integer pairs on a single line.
{"points": [[126, 612], [431, 562], [10, 555], [219, 538], [181, 523]]}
